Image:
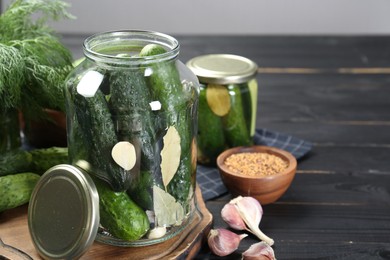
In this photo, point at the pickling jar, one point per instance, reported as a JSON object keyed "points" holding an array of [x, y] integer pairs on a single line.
{"points": [[227, 103], [131, 108]]}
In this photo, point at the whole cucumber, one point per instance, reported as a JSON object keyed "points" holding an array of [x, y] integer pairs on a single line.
{"points": [[15, 161], [97, 128], [120, 215], [236, 131], [166, 87], [247, 105], [210, 139], [45, 158], [129, 104], [16, 189]]}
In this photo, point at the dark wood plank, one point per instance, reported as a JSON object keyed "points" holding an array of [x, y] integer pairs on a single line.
{"points": [[331, 98], [332, 216]]}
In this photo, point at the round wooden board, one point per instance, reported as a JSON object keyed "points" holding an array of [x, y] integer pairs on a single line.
{"points": [[16, 243]]}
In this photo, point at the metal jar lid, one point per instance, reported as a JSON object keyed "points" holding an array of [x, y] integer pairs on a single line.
{"points": [[222, 68], [63, 214]]}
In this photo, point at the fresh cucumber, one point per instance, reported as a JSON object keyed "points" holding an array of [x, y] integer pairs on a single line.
{"points": [[178, 110], [141, 189], [133, 118], [129, 104], [210, 139], [16, 189], [45, 158], [166, 87], [14, 161], [236, 130], [120, 215], [247, 105], [97, 127]]}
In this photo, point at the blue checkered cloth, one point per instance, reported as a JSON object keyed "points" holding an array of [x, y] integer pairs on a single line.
{"points": [[209, 180]]}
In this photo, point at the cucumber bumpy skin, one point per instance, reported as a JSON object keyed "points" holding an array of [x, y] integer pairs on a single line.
{"points": [[120, 215], [132, 115], [15, 161], [45, 158], [236, 131], [166, 87], [131, 112], [211, 139], [16, 189], [97, 127]]}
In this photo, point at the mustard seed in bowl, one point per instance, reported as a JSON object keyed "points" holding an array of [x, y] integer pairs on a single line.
{"points": [[255, 164]]}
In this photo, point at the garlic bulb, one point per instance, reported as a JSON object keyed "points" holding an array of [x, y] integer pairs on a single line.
{"points": [[259, 251], [223, 242], [249, 210]]}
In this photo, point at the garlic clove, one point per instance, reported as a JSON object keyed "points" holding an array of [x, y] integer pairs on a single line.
{"points": [[259, 251], [251, 213], [250, 206], [157, 232], [231, 216], [124, 155], [223, 242]]}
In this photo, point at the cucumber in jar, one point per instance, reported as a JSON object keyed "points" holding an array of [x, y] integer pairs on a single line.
{"points": [[210, 139], [120, 215], [133, 119], [166, 87], [96, 126], [235, 126]]}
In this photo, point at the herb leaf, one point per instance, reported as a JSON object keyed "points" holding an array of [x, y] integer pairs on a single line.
{"points": [[167, 211], [34, 62], [170, 155]]}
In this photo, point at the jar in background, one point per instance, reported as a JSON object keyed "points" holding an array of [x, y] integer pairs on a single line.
{"points": [[227, 103], [9, 130], [131, 125]]}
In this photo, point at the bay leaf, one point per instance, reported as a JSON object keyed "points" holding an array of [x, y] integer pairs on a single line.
{"points": [[170, 155], [167, 210]]}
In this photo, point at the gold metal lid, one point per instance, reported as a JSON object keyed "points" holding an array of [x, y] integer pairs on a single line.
{"points": [[222, 68], [63, 214]]}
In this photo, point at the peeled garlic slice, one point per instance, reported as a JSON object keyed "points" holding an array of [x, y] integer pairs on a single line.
{"points": [[218, 99], [157, 232], [123, 154], [90, 83]]}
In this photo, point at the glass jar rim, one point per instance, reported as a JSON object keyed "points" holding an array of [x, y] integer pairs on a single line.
{"points": [[138, 38]]}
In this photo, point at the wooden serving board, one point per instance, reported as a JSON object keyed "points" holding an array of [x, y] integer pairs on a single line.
{"points": [[16, 243]]}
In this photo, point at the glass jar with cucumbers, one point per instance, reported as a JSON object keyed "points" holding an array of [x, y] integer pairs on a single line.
{"points": [[131, 121], [227, 103]]}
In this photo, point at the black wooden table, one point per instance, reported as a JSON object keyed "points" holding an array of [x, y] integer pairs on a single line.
{"points": [[334, 92]]}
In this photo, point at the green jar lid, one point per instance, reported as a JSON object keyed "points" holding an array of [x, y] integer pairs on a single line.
{"points": [[63, 213], [222, 68]]}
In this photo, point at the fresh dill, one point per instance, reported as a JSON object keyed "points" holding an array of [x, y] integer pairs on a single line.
{"points": [[33, 61]]}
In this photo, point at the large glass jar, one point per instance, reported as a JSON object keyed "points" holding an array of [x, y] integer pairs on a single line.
{"points": [[131, 124]]}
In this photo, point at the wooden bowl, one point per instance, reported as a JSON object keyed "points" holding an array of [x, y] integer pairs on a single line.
{"points": [[265, 188]]}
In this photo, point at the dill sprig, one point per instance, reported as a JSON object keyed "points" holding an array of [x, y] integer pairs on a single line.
{"points": [[33, 61]]}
